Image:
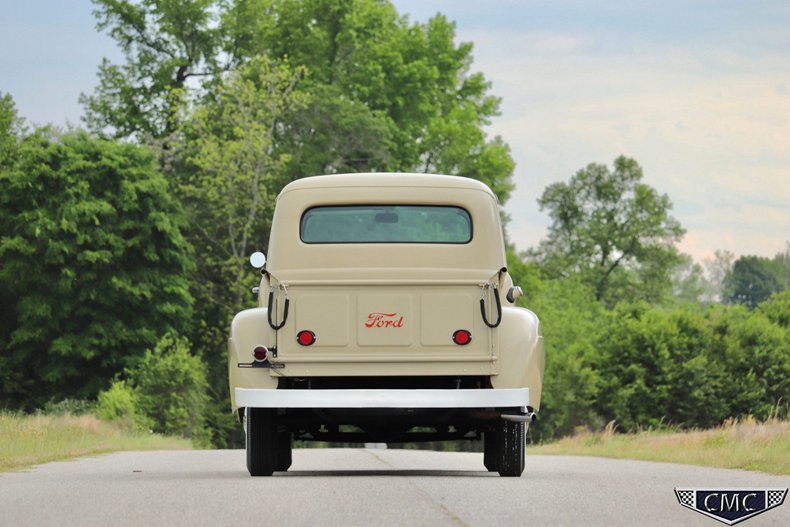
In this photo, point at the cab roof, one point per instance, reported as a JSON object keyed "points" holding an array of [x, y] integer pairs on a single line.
{"points": [[387, 179]]}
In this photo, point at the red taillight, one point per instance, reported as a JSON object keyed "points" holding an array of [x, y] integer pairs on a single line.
{"points": [[260, 353], [305, 337], [462, 337]]}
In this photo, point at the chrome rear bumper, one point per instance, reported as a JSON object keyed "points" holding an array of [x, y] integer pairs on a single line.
{"points": [[485, 398]]}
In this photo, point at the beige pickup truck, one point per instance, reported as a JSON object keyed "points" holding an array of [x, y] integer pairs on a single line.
{"points": [[385, 314]]}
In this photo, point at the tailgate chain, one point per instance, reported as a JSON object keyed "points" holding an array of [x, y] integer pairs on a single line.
{"points": [[486, 287], [272, 289]]}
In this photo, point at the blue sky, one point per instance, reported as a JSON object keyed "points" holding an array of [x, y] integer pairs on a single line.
{"points": [[697, 92]]}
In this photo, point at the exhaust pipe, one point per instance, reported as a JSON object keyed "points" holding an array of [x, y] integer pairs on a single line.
{"points": [[529, 417]]}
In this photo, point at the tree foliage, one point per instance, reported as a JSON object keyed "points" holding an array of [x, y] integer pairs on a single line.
{"points": [[166, 43], [611, 230], [409, 83], [171, 389], [93, 265], [650, 367], [242, 97], [570, 321], [11, 127], [237, 171], [754, 279], [657, 367], [388, 94], [166, 392]]}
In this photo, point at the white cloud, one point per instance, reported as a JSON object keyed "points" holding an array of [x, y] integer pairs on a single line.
{"points": [[710, 127]]}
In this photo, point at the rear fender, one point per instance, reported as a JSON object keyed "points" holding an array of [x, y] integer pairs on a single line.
{"points": [[249, 328], [521, 355]]}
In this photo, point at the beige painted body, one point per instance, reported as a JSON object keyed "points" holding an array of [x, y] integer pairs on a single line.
{"points": [[386, 309]]}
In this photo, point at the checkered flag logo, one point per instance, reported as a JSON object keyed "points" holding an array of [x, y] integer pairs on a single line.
{"points": [[730, 506], [685, 497], [776, 497]]}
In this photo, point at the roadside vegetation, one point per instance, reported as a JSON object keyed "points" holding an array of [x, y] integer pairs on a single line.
{"points": [[123, 247], [745, 444], [27, 440]]}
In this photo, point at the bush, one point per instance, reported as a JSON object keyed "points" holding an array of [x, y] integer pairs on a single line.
{"points": [[119, 403], [570, 320], [659, 367], [166, 392], [755, 354], [171, 389]]}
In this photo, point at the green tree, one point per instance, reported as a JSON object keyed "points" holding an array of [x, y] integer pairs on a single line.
{"points": [[93, 265], [414, 80], [611, 230], [238, 173], [754, 279], [11, 127], [389, 94], [166, 43], [10, 135]]}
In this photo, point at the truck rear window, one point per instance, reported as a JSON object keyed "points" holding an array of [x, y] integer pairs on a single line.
{"points": [[386, 224]]}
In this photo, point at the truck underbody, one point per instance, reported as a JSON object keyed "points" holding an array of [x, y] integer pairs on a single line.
{"points": [[384, 410]]}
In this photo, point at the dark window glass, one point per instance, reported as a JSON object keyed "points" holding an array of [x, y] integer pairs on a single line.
{"points": [[386, 224]]}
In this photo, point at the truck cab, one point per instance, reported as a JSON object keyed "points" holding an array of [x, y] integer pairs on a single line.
{"points": [[385, 314]]}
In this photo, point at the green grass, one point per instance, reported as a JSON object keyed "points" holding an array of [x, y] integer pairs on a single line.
{"points": [[27, 440], [747, 445]]}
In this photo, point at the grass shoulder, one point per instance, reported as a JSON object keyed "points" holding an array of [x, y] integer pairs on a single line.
{"points": [[27, 440], [747, 445]]}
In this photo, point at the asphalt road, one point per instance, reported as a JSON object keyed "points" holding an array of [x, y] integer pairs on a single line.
{"points": [[348, 487]]}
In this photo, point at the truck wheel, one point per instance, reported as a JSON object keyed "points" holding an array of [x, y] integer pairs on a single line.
{"points": [[490, 449], [261, 441], [282, 460], [512, 444]]}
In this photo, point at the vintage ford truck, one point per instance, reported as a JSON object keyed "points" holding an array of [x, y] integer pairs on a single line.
{"points": [[385, 314]]}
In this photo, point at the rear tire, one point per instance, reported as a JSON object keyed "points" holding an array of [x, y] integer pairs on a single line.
{"points": [[512, 446], [491, 449], [261, 441], [283, 459]]}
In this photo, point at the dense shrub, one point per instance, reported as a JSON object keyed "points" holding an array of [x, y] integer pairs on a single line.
{"points": [[171, 389], [120, 403], [570, 320], [93, 266], [166, 392], [656, 367], [646, 366]]}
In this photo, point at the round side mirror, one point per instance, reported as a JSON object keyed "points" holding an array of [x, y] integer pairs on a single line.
{"points": [[257, 259], [514, 294]]}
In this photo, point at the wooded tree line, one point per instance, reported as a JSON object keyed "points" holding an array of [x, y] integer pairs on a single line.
{"points": [[636, 332], [123, 248]]}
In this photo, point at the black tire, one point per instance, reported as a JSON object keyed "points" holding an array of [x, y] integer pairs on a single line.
{"points": [[261, 441], [282, 459], [512, 445], [491, 449]]}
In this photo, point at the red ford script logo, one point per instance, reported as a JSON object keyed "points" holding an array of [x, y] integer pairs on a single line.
{"points": [[384, 320]]}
